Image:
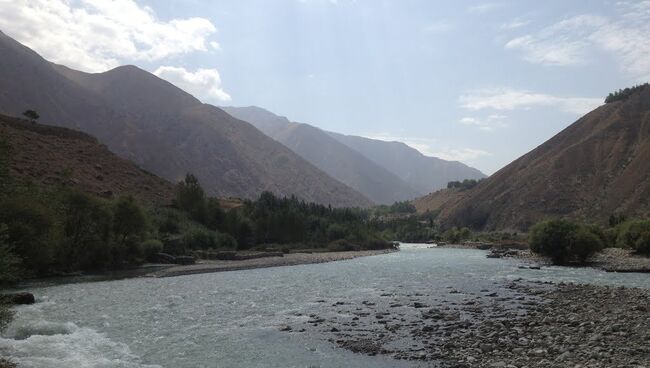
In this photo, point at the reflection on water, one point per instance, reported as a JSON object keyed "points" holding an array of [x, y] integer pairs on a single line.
{"points": [[231, 319]]}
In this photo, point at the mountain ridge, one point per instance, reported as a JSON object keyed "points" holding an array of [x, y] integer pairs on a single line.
{"points": [[163, 129], [597, 166], [341, 162]]}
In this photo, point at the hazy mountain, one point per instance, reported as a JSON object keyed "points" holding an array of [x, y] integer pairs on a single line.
{"points": [[338, 160], [597, 166], [424, 173], [58, 156], [163, 129]]}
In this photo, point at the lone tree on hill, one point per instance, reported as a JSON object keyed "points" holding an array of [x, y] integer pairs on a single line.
{"points": [[31, 115]]}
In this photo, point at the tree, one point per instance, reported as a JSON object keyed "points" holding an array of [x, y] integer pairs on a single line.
{"points": [[129, 225], [31, 226], [564, 241], [190, 198], [87, 229], [31, 115]]}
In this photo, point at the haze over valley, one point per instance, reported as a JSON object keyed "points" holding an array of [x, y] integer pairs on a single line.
{"points": [[324, 183]]}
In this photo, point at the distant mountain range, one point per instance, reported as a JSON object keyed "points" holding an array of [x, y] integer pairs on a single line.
{"points": [[598, 166], [383, 171], [162, 129]]}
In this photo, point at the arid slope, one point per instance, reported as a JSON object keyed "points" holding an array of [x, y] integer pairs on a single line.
{"points": [[597, 166]]}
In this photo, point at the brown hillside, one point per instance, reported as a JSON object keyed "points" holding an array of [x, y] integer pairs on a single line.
{"points": [[597, 166], [58, 156], [434, 202]]}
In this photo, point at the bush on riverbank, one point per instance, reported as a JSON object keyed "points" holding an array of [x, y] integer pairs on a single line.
{"points": [[564, 241], [632, 234]]}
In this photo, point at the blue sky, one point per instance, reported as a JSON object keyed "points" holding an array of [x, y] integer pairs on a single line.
{"points": [[478, 81]]}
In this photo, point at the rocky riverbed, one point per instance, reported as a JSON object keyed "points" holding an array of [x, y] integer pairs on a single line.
{"points": [[523, 324]]}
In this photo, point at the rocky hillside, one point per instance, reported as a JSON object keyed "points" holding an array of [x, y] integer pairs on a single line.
{"points": [[434, 202], [336, 159], [163, 129], [58, 156], [423, 173], [597, 166]]}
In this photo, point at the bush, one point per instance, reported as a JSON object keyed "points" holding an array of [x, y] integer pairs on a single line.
{"points": [[226, 241], [31, 226], [585, 243], [564, 241], [642, 244], [630, 231], [200, 238], [150, 248], [10, 263], [335, 232], [87, 231]]}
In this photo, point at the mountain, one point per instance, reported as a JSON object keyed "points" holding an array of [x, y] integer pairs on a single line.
{"points": [[336, 159], [58, 156], [163, 129], [598, 166], [424, 173]]}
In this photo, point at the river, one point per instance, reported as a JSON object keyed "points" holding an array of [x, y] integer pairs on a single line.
{"points": [[233, 319]]}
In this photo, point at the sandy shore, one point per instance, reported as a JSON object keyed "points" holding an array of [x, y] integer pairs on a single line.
{"points": [[291, 259], [522, 324]]}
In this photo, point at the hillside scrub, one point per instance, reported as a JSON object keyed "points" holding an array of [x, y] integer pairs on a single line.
{"points": [[623, 94], [565, 241], [634, 234]]}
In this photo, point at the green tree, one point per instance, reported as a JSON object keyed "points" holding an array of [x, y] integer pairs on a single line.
{"points": [[87, 233], [31, 226], [129, 226], [31, 115], [190, 198], [564, 241]]}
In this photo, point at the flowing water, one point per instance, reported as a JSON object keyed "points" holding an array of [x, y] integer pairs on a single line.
{"points": [[232, 319]]}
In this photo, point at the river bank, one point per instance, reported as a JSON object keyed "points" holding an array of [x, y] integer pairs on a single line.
{"points": [[609, 259], [289, 259], [531, 325]]}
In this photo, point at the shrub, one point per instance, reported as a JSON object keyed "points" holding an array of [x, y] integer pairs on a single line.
{"points": [[564, 241], [31, 226], [584, 244], [170, 223], [630, 231], [150, 248], [642, 244], [200, 238], [10, 263], [226, 241], [335, 232], [87, 230]]}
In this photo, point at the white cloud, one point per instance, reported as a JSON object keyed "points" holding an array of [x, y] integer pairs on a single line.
{"points": [[203, 83], [624, 35], [484, 8], [430, 147], [96, 35], [490, 123], [514, 24], [511, 99], [461, 154]]}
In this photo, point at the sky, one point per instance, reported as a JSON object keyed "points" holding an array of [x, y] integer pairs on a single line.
{"points": [[482, 82]]}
